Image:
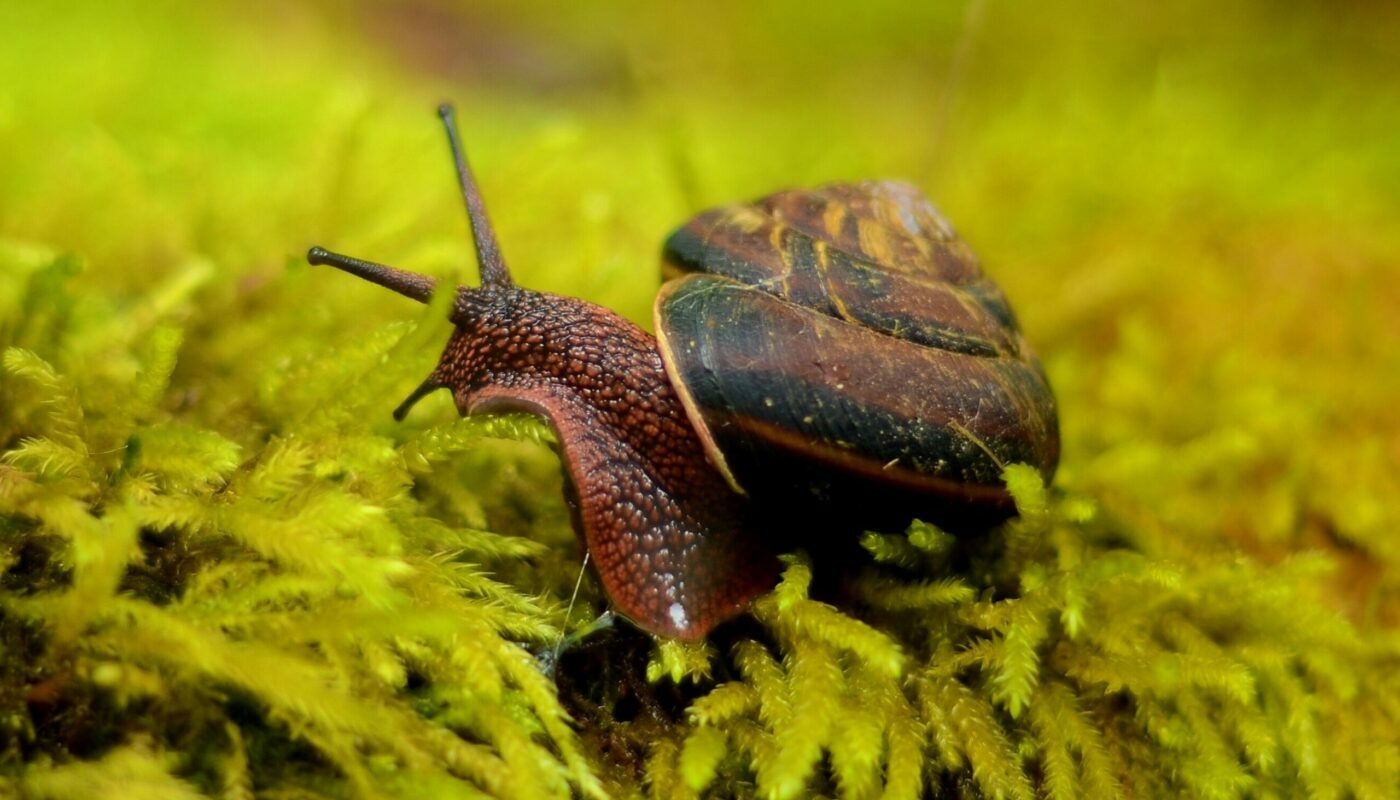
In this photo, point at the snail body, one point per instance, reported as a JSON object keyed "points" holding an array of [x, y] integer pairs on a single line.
{"points": [[834, 344], [663, 528]]}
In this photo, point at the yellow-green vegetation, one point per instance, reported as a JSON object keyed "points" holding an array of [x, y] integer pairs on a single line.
{"points": [[225, 571]]}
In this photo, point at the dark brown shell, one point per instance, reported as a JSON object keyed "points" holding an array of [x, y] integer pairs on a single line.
{"points": [[849, 326]]}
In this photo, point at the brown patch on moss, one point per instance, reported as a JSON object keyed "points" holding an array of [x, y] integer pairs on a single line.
{"points": [[489, 48]]}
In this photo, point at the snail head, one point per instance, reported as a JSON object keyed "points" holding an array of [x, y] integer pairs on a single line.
{"points": [[495, 276]]}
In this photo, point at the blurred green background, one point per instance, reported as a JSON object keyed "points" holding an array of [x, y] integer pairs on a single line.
{"points": [[1193, 206]]}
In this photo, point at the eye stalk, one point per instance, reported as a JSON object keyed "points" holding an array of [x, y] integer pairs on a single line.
{"points": [[420, 287], [488, 252], [408, 284]]}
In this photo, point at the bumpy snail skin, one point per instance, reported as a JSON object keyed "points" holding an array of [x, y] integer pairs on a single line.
{"points": [[665, 530]]}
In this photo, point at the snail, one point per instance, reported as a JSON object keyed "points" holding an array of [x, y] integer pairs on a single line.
{"points": [[838, 346]]}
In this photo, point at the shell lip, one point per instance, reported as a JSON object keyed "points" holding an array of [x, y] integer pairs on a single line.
{"points": [[692, 409]]}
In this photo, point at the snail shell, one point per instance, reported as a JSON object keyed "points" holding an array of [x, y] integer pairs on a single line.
{"points": [[843, 337]]}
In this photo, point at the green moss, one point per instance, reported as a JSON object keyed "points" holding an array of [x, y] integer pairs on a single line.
{"points": [[1060, 658], [225, 570], [300, 595]]}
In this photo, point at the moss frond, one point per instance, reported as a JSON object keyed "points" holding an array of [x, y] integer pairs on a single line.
{"points": [[131, 771], [792, 615], [441, 442], [53, 395], [184, 459], [889, 594], [157, 355], [725, 702], [700, 756], [1019, 662], [678, 661], [975, 733]]}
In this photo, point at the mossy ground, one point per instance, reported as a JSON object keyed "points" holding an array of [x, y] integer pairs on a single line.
{"points": [[227, 571]]}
